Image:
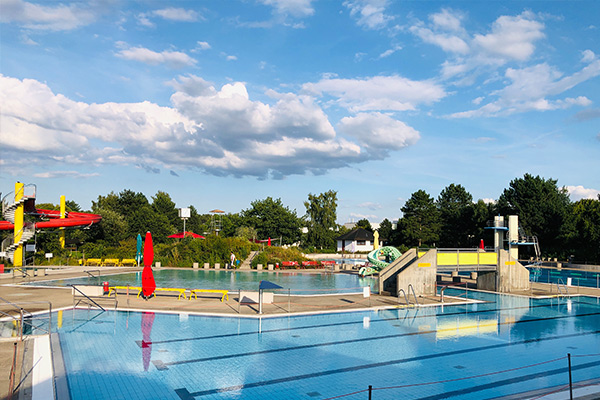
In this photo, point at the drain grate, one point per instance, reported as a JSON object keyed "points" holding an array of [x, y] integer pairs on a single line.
{"points": [[314, 394], [460, 367]]}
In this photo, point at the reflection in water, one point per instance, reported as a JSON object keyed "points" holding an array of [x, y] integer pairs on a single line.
{"points": [[147, 321]]}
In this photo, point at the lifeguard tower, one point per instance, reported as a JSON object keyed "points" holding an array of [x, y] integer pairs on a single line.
{"points": [[216, 220]]}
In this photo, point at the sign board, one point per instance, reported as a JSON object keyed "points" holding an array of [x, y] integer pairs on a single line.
{"points": [[30, 247], [184, 213], [366, 292], [49, 255]]}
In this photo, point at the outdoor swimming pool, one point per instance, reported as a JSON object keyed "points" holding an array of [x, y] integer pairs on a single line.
{"points": [[297, 282], [456, 352], [553, 275]]}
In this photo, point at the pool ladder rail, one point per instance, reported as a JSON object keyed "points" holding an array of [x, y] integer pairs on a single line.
{"points": [[407, 297], [563, 290]]}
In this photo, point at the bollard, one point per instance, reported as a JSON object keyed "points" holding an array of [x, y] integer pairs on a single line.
{"points": [[157, 264], [206, 265], [217, 266], [195, 265], [259, 267], [270, 267]]}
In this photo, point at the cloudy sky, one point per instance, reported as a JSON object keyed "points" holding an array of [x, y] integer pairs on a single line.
{"points": [[221, 103]]}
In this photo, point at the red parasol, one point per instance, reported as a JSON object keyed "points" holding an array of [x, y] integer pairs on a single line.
{"points": [[481, 245], [147, 321], [181, 235], [148, 284]]}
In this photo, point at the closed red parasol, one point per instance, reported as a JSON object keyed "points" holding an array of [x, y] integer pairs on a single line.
{"points": [[481, 245], [148, 284]]}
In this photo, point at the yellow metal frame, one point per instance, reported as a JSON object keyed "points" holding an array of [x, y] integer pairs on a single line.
{"points": [[224, 293]]}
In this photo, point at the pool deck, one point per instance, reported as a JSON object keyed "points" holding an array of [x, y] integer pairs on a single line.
{"points": [[11, 291]]}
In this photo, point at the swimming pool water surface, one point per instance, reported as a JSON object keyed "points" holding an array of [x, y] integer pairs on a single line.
{"points": [[133, 355], [298, 282]]}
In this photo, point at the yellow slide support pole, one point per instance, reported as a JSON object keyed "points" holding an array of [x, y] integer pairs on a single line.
{"points": [[61, 238], [18, 255]]}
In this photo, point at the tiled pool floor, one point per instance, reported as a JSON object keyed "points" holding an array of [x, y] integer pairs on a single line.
{"points": [[458, 352]]}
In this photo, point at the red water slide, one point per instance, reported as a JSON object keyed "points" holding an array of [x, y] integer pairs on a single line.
{"points": [[71, 219]]}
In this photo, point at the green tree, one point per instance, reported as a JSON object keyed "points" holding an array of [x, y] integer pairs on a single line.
{"points": [[456, 216], [365, 224], [246, 232], [542, 208], [163, 205], [321, 215], [586, 221], [420, 223], [386, 231], [272, 219]]}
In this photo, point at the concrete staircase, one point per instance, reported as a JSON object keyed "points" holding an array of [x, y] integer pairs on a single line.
{"points": [[247, 264]]}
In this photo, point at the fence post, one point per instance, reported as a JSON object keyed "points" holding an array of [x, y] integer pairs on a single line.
{"points": [[370, 390], [570, 379]]}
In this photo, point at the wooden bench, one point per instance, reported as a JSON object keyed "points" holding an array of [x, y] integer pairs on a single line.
{"points": [[290, 264], [93, 261], [178, 290], [129, 261], [113, 289], [111, 261], [224, 293], [313, 264]]}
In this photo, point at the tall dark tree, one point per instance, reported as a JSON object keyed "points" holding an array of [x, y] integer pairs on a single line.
{"points": [[365, 224], [420, 225], [586, 222], [386, 231], [272, 219], [163, 205], [542, 208], [455, 207], [321, 215]]}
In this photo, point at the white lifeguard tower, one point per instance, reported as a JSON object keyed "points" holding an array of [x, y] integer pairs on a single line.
{"points": [[216, 220]]}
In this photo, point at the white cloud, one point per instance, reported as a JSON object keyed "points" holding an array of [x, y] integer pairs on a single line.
{"points": [[447, 20], [379, 133], [43, 17], [177, 14], [295, 8], [203, 45], [512, 38], [174, 59], [587, 56], [64, 174], [369, 14], [532, 89], [370, 205], [389, 52], [378, 93], [579, 192], [219, 131]]}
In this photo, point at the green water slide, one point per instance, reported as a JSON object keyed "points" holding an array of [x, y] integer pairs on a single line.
{"points": [[389, 253]]}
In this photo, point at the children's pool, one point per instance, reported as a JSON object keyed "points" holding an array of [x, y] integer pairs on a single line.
{"points": [[504, 346], [297, 282]]}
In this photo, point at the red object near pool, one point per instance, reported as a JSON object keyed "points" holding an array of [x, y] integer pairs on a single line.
{"points": [[181, 235], [148, 283]]}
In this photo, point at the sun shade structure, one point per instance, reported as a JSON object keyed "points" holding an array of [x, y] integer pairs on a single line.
{"points": [[181, 235]]}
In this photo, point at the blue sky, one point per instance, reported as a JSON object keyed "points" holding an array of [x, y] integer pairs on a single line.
{"points": [[221, 103]]}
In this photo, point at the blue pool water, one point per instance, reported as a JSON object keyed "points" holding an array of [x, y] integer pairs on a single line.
{"points": [[552, 275], [132, 355], [298, 282]]}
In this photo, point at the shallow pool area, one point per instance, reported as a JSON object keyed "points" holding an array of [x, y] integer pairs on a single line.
{"points": [[299, 283], [502, 346]]}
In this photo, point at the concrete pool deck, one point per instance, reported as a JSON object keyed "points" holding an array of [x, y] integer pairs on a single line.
{"points": [[12, 291]]}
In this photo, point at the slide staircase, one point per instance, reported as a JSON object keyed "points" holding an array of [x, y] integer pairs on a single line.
{"points": [[388, 275], [247, 264], [8, 211]]}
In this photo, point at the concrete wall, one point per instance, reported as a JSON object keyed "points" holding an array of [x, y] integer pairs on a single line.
{"points": [[421, 274], [510, 276]]}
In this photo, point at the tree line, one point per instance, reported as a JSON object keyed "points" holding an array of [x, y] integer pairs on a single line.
{"points": [[565, 229]]}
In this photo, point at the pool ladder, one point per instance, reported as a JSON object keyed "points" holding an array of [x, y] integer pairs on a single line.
{"points": [[560, 285], [407, 298]]}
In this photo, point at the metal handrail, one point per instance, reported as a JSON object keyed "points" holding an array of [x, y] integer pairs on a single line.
{"points": [[87, 297], [558, 284], [410, 287], [405, 298], [22, 313], [93, 270]]}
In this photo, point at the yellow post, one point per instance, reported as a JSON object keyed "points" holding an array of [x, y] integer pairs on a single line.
{"points": [[18, 255], [61, 238], [376, 240]]}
